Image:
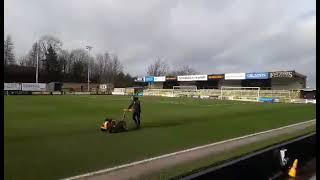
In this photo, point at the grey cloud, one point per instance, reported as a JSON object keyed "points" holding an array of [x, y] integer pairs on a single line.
{"points": [[209, 35]]}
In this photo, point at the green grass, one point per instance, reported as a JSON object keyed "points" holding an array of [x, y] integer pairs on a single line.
{"points": [[50, 137], [207, 161]]}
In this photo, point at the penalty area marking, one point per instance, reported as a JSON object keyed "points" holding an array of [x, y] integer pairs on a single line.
{"points": [[180, 152]]}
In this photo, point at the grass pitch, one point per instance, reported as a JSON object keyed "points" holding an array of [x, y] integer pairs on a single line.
{"points": [[51, 137]]}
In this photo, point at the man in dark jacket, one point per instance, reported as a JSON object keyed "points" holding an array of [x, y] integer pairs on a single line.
{"points": [[136, 110]]}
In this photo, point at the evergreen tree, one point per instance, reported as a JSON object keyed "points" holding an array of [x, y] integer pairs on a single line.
{"points": [[52, 65]]}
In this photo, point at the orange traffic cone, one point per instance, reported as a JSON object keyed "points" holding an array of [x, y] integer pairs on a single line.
{"points": [[293, 169]]}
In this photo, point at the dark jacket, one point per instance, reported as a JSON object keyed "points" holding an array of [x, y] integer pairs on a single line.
{"points": [[135, 105]]}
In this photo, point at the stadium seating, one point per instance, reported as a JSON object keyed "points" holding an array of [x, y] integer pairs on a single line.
{"points": [[243, 94]]}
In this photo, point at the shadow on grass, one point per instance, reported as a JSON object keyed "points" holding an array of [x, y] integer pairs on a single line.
{"points": [[162, 125], [149, 126]]}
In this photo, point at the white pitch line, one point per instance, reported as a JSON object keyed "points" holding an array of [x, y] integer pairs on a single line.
{"points": [[179, 152]]}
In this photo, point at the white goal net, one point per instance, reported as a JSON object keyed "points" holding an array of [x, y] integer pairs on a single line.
{"points": [[240, 93], [185, 88], [178, 91]]}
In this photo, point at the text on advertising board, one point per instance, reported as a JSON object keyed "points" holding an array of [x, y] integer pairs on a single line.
{"points": [[258, 75], [149, 79], [159, 79], [282, 74], [193, 78], [171, 78], [216, 76], [266, 99], [139, 79], [33, 86], [103, 86], [12, 87], [234, 76]]}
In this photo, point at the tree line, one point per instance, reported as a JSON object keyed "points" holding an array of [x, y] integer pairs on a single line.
{"points": [[56, 64], [161, 68]]}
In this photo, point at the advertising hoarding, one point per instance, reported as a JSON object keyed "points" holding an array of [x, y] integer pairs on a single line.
{"points": [[33, 87], [266, 99], [215, 76], [139, 79], [118, 91], [193, 78], [282, 74], [171, 78], [103, 86], [12, 87], [257, 75], [149, 79], [159, 79], [234, 76], [140, 93]]}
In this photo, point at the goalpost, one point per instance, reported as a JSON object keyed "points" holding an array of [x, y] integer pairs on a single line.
{"points": [[183, 90], [185, 87], [240, 93]]}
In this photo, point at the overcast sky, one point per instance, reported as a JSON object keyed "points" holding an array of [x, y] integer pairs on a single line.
{"points": [[212, 36]]}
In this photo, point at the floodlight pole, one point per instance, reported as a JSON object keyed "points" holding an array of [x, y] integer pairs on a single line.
{"points": [[89, 48], [37, 68]]}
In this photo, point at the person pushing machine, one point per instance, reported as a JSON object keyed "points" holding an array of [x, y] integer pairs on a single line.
{"points": [[136, 110]]}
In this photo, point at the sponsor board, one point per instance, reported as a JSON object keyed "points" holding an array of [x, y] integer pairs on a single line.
{"points": [[257, 75], [56, 93], [140, 94], [118, 91], [193, 78], [139, 79], [234, 76], [313, 101], [282, 74], [216, 76], [33, 87], [276, 100], [159, 79], [81, 93], [204, 97], [103, 86], [12, 87], [266, 99], [171, 78], [149, 79]]}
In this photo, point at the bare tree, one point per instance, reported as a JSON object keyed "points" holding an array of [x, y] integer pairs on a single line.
{"points": [[79, 55], [116, 67], [99, 66], [30, 59], [63, 58], [45, 42], [48, 40], [9, 57], [78, 64], [105, 67], [158, 68], [184, 70], [24, 61]]}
